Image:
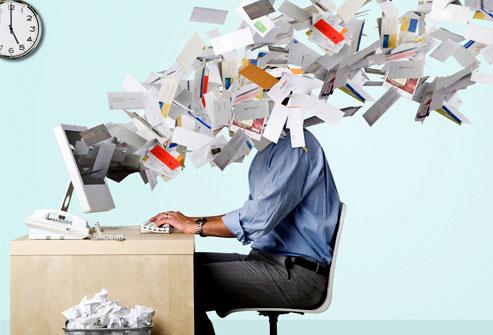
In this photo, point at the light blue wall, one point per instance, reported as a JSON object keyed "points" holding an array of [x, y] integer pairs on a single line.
{"points": [[417, 240]]}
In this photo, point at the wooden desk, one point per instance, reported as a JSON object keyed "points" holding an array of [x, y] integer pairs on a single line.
{"points": [[154, 270]]}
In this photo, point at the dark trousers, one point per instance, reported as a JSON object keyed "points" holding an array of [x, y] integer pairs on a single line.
{"points": [[259, 279]]}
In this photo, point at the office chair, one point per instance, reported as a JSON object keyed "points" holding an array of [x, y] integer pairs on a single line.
{"points": [[273, 313]]}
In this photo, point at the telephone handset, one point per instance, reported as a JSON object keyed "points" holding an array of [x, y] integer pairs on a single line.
{"points": [[48, 224]]}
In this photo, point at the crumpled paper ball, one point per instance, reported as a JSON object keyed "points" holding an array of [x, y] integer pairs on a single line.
{"points": [[101, 312]]}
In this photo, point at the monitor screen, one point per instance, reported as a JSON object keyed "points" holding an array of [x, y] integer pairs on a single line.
{"points": [[84, 157]]}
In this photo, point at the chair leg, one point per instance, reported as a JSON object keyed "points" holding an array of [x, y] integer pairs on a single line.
{"points": [[273, 317], [273, 323]]}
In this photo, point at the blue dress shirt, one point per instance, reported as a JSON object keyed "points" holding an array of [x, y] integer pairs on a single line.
{"points": [[293, 204]]}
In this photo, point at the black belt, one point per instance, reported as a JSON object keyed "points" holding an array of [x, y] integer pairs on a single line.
{"points": [[314, 266]]}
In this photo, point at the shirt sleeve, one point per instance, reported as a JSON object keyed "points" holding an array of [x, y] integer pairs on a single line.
{"points": [[280, 192]]}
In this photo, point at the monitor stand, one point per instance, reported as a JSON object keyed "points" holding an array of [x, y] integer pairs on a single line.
{"points": [[66, 199], [97, 231]]}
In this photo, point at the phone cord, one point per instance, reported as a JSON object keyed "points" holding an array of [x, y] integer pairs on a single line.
{"points": [[97, 234]]}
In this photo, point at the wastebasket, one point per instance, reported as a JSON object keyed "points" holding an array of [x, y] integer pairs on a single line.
{"points": [[109, 331]]}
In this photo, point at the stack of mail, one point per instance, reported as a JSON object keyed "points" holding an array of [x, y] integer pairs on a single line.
{"points": [[100, 312], [248, 88]]}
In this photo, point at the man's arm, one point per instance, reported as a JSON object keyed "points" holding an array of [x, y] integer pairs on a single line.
{"points": [[184, 224], [280, 193], [216, 227]]}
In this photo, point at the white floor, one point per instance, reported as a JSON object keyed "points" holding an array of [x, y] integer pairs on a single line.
{"points": [[356, 327]]}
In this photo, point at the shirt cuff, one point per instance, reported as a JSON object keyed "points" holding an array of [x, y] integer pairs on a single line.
{"points": [[232, 221]]}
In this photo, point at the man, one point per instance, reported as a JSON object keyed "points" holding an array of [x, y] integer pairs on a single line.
{"points": [[289, 219]]}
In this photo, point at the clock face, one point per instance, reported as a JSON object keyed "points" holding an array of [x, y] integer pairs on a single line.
{"points": [[20, 29]]}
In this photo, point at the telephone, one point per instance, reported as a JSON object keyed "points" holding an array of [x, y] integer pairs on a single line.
{"points": [[47, 224]]}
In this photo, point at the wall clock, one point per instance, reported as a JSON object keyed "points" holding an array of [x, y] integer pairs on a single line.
{"points": [[20, 29]]}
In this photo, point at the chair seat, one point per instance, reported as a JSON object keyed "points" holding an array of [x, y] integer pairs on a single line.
{"points": [[273, 313], [317, 310]]}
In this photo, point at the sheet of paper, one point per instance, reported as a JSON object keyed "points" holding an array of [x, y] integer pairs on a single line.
{"points": [[126, 100], [295, 121], [152, 163], [479, 34], [152, 109], [261, 23], [482, 78], [128, 136], [252, 128], [464, 57], [190, 52], [281, 90], [445, 50], [381, 106], [301, 55], [146, 130], [81, 148], [410, 27], [328, 113], [258, 76], [258, 9], [355, 33], [389, 32], [350, 111], [95, 135], [361, 58], [293, 11], [231, 149], [451, 110], [442, 10], [222, 111], [319, 108], [487, 54], [357, 91], [252, 109], [349, 8], [304, 84], [331, 61], [213, 33], [169, 86], [103, 159], [208, 15], [328, 31], [276, 122], [165, 157], [443, 34], [389, 9], [184, 97], [405, 87], [214, 74], [229, 42], [200, 156], [406, 69], [190, 139], [133, 85], [327, 5], [151, 178], [204, 155]]}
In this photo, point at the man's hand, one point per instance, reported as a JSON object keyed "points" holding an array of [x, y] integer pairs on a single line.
{"points": [[180, 222]]}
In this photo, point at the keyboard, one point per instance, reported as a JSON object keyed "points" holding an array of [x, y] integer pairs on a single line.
{"points": [[151, 228]]}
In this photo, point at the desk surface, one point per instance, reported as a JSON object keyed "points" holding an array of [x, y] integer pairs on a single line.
{"points": [[135, 244]]}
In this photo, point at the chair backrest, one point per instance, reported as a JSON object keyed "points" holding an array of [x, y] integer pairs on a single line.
{"points": [[334, 243], [335, 246]]}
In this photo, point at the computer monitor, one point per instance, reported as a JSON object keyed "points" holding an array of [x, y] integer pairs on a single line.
{"points": [[93, 192]]}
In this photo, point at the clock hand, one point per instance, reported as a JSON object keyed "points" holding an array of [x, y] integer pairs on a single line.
{"points": [[10, 26], [12, 32]]}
